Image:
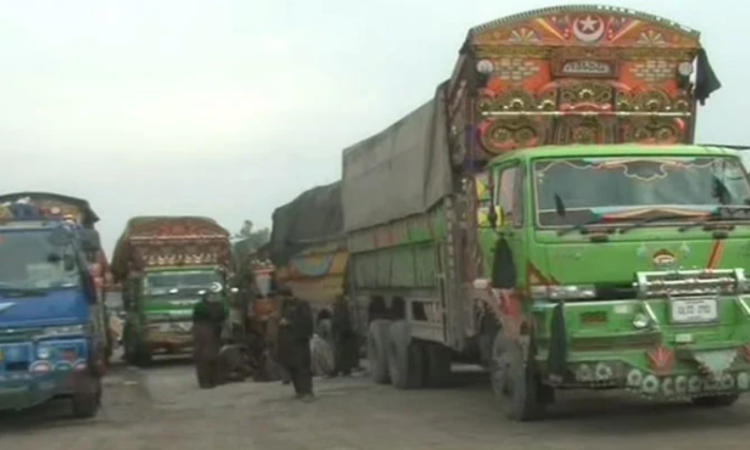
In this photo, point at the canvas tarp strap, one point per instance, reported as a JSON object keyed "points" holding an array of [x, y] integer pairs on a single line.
{"points": [[313, 217], [402, 171]]}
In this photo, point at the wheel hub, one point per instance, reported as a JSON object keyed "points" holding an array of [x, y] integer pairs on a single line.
{"points": [[501, 376]]}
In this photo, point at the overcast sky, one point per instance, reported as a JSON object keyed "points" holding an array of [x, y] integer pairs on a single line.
{"points": [[231, 108]]}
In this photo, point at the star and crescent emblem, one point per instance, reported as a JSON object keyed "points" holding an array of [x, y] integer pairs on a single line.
{"points": [[588, 29]]}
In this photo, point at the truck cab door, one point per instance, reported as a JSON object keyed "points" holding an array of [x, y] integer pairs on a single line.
{"points": [[508, 196]]}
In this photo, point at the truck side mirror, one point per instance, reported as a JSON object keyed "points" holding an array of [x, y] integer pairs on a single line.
{"points": [[492, 216], [90, 241]]}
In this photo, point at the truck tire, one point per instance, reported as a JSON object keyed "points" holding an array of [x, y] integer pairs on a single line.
{"points": [[488, 329], [110, 347], [406, 365], [438, 365], [86, 405], [516, 387], [377, 350], [128, 352], [135, 354], [143, 358]]}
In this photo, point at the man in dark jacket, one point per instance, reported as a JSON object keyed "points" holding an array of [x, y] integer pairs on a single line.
{"points": [[295, 331], [344, 338], [208, 319]]}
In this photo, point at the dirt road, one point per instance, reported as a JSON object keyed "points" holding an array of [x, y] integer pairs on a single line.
{"points": [[162, 409]]}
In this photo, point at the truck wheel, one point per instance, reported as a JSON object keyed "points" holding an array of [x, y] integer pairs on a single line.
{"points": [[405, 357], [128, 350], [485, 349], [488, 329], [516, 387], [136, 355], [377, 354], [86, 405], [142, 358], [110, 348], [438, 359], [713, 402]]}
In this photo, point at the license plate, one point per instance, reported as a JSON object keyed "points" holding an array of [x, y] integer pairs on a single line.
{"points": [[694, 310]]}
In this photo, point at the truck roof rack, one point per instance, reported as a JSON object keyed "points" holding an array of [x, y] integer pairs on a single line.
{"points": [[729, 146]]}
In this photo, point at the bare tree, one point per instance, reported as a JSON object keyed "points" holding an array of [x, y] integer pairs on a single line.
{"points": [[255, 238]]}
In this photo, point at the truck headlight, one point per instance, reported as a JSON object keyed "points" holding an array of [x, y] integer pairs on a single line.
{"points": [[564, 292], [43, 352], [640, 321]]}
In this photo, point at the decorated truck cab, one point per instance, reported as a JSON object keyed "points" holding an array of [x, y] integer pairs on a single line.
{"points": [[50, 341], [163, 263], [619, 266]]}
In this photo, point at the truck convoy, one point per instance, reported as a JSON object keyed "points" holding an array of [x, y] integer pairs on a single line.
{"points": [[52, 334], [546, 215], [163, 263]]}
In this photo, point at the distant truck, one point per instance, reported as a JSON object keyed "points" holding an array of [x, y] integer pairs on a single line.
{"points": [[545, 216], [306, 253], [52, 339], [259, 304], [162, 263], [308, 248], [253, 276]]}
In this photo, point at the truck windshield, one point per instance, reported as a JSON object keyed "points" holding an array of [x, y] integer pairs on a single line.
{"points": [[185, 282], [29, 261], [625, 186]]}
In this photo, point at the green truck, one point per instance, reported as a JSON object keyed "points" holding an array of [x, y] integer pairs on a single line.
{"points": [[163, 263], [547, 216]]}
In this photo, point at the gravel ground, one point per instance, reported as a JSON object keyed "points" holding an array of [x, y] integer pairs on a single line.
{"points": [[161, 408]]}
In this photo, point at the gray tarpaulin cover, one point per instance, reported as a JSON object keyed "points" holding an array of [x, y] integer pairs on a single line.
{"points": [[403, 170], [312, 217]]}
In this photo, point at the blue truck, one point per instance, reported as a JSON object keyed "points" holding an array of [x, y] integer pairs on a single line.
{"points": [[51, 339]]}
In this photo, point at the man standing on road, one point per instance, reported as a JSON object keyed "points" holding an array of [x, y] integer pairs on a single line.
{"points": [[344, 338], [295, 331], [208, 319]]}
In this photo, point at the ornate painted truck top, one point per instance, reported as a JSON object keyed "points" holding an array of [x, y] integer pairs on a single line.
{"points": [[578, 74], [170, 241]]}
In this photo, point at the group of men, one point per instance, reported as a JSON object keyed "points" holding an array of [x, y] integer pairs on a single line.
{"points": [[293, 352]]}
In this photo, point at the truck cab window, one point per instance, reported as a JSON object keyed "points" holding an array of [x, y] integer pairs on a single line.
{"points": [[29, 261], [507, 185]]}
